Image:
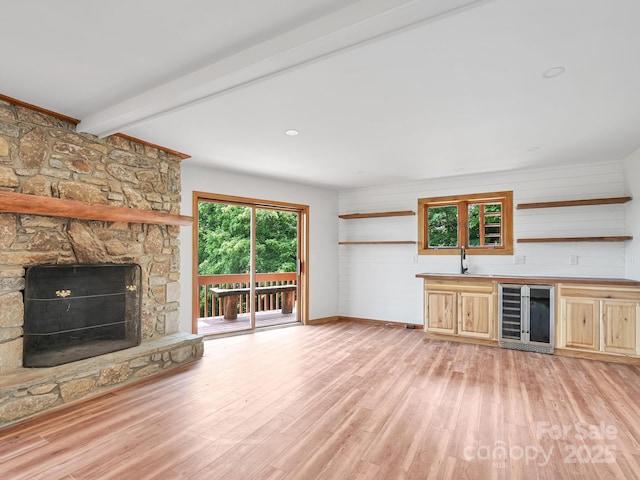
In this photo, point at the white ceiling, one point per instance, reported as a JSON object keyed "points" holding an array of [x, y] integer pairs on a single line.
{"points": [[381, 91]]}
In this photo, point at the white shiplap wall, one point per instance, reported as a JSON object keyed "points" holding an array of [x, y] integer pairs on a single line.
{"points": [[632, 212], [378, 281]]}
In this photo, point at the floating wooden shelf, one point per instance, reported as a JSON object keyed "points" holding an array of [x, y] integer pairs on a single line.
{"points": [[393, 242], [622, 238], [401, 213], [574, 203], [11, 202]]}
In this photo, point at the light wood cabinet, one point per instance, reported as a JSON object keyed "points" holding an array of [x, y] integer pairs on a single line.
{"points": [[600, 320], [441, 312], [475, 314], [594, 318], [582, 323], [620, 321], [464, 309]]}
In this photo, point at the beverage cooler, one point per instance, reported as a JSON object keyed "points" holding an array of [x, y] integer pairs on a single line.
{"points": [[526, 317]]}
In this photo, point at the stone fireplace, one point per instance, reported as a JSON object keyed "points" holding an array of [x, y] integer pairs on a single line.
{"points": [[45, 163]]}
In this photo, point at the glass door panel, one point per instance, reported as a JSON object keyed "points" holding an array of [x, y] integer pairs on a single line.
{"points": [[510, 324], [224, 266], [276, 261], [540, 314], [239, 245]]}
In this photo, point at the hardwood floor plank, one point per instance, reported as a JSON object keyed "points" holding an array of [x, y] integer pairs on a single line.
{"points": [[20, 446], [354, 445], [331, 444], [364, 471], [202, 458], [400, 429], [70, 449], [349, 401], [447, 414], [429, 460], [383, 397]]}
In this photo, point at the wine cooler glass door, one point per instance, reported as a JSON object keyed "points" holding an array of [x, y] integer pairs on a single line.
{"points": [[511, 312], [540, 314]]}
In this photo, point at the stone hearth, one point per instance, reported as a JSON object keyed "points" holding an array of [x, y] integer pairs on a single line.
{"points": [[43, 155]]}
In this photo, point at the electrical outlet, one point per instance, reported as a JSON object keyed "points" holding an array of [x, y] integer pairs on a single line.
{"points": [[518, 260], [573, 259]]}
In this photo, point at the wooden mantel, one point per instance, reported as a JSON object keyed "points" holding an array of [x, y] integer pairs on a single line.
{"points": [[11, 202]]}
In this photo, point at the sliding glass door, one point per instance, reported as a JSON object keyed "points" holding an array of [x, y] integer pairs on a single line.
{"points": [[247, 264]]}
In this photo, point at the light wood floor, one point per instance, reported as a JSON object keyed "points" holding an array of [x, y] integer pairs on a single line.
{"points": [[346, 401]]}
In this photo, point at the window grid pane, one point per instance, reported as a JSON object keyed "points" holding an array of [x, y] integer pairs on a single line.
{"points": [[442, 226], [493, 224], [485, 224]]}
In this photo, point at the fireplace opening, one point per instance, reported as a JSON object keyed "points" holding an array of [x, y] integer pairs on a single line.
{"points": [[73, 312]]}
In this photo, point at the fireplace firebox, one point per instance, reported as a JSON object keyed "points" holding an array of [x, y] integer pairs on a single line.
{"points": [[73, 312]]}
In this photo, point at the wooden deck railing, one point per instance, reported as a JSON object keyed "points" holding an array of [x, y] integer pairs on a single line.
{"points": [[208, 306]]}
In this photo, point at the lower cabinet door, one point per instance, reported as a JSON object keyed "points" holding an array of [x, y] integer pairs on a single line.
{"points": [[620, 326], [441, 312], [476, 314], [582, 323]]}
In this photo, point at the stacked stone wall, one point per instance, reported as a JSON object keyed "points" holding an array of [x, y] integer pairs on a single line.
{"points": [[27, 392], [45, 156]]}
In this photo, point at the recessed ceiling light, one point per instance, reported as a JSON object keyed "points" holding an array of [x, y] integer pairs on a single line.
{"points": [[292, 132], [553, 72]]}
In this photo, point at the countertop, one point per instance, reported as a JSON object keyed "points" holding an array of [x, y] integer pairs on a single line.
{"points": [[457, 277]]}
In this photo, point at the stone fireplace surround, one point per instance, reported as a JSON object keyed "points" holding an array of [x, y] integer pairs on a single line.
{"points": [[43, 158]]}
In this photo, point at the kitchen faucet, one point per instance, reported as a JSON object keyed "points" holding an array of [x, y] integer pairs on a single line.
{"points": [[464, 267]]}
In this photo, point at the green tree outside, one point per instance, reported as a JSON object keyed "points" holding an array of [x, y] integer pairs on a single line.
{"points": [[224, 241], [443, 225]]}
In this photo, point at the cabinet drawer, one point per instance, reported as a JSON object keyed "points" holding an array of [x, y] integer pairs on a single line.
{"points": [[618, 293], [462, 286]]}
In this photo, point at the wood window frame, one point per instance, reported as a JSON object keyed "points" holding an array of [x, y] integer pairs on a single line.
{"points": [[462, 202]]}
